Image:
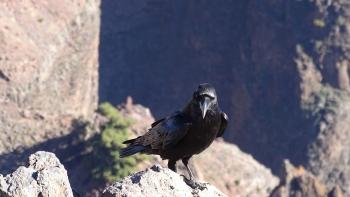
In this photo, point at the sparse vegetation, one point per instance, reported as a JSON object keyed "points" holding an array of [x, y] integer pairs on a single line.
{"points": [[319, 23], [109, 167], [325, 101]]}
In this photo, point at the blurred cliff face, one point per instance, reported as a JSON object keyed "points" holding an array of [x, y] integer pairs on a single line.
{"points": [[157, 51], [48, 69]]}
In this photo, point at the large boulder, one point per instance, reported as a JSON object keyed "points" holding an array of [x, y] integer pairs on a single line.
{"points": [[157, 181], [45, 176]]}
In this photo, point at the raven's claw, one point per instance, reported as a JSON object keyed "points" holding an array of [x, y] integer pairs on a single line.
{"points": [[193, 184]]}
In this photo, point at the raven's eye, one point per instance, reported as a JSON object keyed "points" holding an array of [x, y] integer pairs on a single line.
{"points": [[208, 96]]}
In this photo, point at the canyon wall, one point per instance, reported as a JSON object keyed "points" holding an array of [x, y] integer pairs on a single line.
{"points": [[48, 69]]}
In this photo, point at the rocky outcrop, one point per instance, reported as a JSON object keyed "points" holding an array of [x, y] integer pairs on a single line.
{"points": [[157, 181], [45, 176], [298, 182], [48, 69]]}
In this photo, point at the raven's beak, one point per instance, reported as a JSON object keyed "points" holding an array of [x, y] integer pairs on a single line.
{"points": [[204, 106]]}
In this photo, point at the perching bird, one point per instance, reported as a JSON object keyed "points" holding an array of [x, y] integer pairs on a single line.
{"points": [[184, 133]]}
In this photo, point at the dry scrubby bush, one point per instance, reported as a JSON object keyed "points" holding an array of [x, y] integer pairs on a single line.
{"points": [[326, 100], [109, 167]]}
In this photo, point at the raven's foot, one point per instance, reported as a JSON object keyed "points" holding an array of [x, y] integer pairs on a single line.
{"points": [[194, 185]]}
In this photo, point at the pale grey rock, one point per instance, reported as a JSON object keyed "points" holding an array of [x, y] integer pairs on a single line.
{"points": [[45, 176], [157, 182]]}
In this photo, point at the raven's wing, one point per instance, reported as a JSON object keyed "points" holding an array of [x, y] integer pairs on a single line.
{"points": [[172, 130], [164, 133], [224, 120], [161, 120]]}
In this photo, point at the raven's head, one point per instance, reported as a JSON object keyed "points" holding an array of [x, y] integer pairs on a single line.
{"points": [[205, 97]]}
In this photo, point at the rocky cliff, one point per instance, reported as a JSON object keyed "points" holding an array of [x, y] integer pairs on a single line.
{"points": [[48, 70]]}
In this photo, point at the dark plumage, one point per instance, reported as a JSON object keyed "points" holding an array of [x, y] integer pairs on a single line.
{"points": [[184, 133]]}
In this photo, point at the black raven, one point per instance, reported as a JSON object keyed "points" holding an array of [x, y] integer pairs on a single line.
{"points": [[184, 133]]}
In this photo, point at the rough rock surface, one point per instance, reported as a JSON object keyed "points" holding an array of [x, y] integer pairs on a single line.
{"points": [[297, 182], [45, 176], [48, 69], [223, 165], [157, 181]]}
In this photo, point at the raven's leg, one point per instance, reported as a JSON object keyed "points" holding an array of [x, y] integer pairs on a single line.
{"points": [[191, 182], [185, 162], [172, 165]]}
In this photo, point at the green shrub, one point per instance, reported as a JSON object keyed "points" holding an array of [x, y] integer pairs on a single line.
{"points": [[107, 145]]}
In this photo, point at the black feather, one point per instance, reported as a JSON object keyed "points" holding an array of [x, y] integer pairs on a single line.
{"points": [[130, 150], [129, 141]]}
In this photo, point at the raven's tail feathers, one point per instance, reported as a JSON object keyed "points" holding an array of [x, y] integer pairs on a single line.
{"points": [[130, 150]]}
